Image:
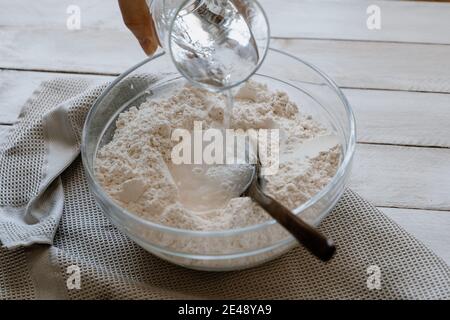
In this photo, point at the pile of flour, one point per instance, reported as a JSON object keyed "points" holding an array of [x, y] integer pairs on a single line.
{"points": [[135, 167]]}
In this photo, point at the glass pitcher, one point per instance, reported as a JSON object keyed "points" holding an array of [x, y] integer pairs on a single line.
{"points": [[216, 44]]}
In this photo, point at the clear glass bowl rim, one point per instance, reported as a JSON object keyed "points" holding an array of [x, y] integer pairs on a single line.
{"points": [[351, 141]]}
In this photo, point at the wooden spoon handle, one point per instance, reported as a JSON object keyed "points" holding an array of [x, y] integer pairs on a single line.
{"points": [[307, 235]]}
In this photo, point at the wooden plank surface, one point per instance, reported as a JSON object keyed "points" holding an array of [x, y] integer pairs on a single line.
{"points": [[40, 41], [100, 14], [84, 51], [432, 228], [17, 86], [402, 177], [393, 66], [402, 21], [15, 89], [351, 64], [399, 117]]}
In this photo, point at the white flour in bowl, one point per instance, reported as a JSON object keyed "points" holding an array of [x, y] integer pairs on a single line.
{"points": [[136, 170]]}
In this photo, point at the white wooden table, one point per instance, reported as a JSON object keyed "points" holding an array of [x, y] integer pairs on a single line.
{"points": [[397, 79]]}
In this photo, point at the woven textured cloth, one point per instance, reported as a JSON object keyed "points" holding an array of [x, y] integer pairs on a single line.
{"points": [[50, 223]]}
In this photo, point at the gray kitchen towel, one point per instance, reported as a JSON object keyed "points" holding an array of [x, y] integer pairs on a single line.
{"points": [[44, 142], [46, 200]]}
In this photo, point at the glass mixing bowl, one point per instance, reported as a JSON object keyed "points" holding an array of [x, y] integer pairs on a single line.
{"points": [[314, 93]]}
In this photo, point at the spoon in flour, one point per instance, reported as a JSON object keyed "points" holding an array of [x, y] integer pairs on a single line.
{"points": [[305, 234]]}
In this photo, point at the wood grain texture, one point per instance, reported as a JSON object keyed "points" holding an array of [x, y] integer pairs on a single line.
{"points": [[402, 177], [351, 64], [103, 45], [399, 117], [17, 86], [100, 14], [432, 228], [403, 21], [15, 89], [82, 51], [393, 66]]}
